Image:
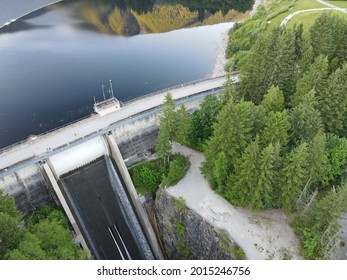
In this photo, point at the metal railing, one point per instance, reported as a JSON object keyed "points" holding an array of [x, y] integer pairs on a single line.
{"points": [[170, 89]]}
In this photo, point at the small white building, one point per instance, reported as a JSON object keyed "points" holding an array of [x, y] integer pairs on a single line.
{"points": [[106, 106]]}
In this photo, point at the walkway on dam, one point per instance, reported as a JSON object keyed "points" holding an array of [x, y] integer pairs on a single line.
{"points": [[43, 145]]}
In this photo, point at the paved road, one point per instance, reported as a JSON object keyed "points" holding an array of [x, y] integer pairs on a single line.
{"points": [[47, 143], [330, 7]]}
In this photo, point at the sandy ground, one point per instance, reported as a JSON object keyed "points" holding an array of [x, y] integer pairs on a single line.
{"points": [[262, 235]]}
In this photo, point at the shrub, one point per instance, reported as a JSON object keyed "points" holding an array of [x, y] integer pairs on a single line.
{"points": [[178, 168]]}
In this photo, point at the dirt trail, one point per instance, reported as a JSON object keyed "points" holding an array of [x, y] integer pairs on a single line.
{"points": [[262, 235]]}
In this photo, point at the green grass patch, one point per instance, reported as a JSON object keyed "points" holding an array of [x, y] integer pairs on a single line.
{"points": [[341, 4], [308, 19], [298, 6]]}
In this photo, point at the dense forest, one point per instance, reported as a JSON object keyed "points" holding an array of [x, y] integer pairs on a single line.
{"points": [[43, 235], [279, 140]]}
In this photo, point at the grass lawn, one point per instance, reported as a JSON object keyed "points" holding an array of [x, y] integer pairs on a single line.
{"points": [[308, 18], [341, 4], [300, 5]]}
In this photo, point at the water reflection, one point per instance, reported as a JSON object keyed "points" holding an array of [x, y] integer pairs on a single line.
{"points": [[53, 61], [127, 18]]}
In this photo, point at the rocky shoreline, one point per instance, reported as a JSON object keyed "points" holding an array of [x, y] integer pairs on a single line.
{"points": [[222, 44]]}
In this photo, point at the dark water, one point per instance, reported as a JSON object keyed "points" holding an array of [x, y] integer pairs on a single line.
{"points": [[53, 61]]}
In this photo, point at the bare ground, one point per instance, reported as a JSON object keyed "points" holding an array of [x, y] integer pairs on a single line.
{"points": [[262, 234]]}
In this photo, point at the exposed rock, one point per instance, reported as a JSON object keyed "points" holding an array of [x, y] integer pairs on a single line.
{"points": [[186, 235]]}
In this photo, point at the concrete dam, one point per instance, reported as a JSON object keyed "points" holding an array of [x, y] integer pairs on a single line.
{"points": [[83, 168]]}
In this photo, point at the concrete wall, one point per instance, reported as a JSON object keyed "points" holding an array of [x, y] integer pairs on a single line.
{"points": [[29, 188], [137, 141], [143, 218]]}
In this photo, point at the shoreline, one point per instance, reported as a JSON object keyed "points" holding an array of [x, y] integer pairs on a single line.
{"points": [[51, 2], [222, 44], [220, 59]]}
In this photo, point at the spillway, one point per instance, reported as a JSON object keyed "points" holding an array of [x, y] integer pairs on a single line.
{"points": [[104, 212]]}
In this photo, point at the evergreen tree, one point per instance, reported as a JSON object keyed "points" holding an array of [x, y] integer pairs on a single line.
{"points": [[317, 160], [314, 79], [243, 191], [273, 100], [257, 73], [233, 132], [201, 127], [276, 129], [284, 73], [333, 101], [167, 129], [221, 173], [306, 57], [294, 176], [264, 191], [329, 37], [182, 125], [337, 159], [305, 119]]}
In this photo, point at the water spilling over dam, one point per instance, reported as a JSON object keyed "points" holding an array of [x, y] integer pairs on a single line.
{"points": [[104, 212]]}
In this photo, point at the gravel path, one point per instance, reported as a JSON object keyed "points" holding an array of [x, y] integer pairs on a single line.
{"points": [[262, 235]]}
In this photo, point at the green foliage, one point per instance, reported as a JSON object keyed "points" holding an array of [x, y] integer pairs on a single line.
{"points": [[329, 38], [180, 204], [201, 122], [10, 232], [294, 176], [28, 249], [178, 168], [147, 176], [319, 227], [337, 159], [276, 129], [334, 95], [51, 213], [167, 129], [183, 125], [180, 227], [314, 79], [237, 252], [305, 119], [273, 100], [45, 236]]}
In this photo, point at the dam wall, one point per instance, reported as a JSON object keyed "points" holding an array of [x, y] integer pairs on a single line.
{"points": [[29, 188], [136, 141]]}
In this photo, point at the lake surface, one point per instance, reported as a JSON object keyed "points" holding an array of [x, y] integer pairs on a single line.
{"points": [[54, 61]]}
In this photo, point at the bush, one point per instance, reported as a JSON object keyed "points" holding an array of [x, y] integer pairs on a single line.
{"points": [[178, 168], [147, 176]]}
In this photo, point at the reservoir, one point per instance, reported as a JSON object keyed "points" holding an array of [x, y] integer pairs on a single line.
{"points": [[55, 60]]}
